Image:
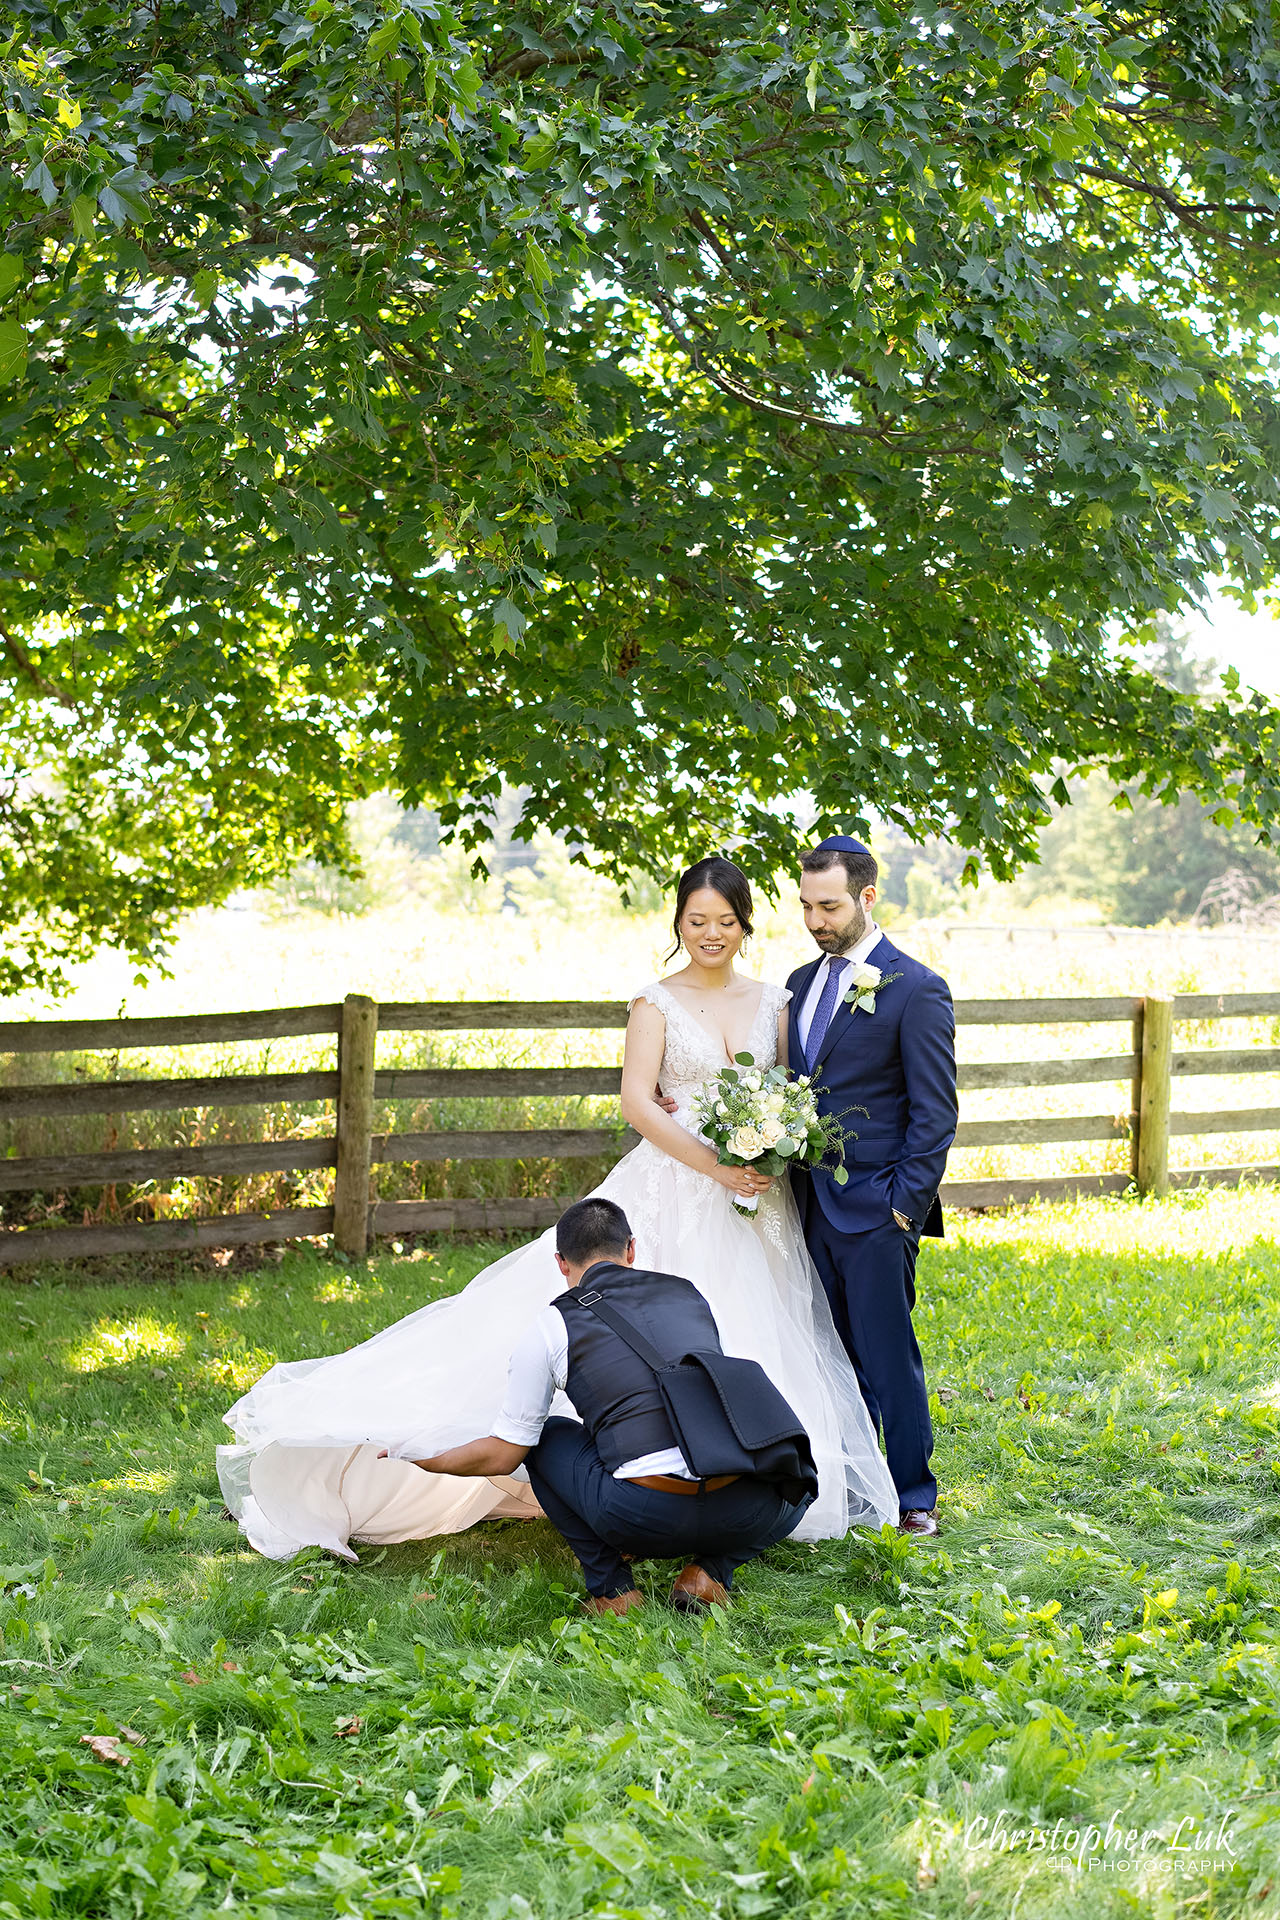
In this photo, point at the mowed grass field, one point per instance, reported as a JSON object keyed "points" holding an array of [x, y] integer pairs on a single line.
{"points": [[589, 950], [1067, 1706]]}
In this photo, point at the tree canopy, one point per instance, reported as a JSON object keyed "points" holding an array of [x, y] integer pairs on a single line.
{"points": [[668, 408]]}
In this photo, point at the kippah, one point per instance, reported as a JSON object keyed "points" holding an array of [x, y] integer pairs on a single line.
{"points": [[840, 843]]}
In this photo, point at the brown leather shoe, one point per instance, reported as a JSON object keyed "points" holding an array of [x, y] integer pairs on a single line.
{"points": [[695, 1591], [618, 1603], [919, 1520]]}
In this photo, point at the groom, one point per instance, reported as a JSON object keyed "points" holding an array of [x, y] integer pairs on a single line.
{"points": [[880, 1027]]}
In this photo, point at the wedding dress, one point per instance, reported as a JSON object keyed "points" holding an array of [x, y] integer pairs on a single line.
{"points": [[305, 1467]]}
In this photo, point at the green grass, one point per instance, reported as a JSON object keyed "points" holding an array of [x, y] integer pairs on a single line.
{"points": [[1095, 1635]]}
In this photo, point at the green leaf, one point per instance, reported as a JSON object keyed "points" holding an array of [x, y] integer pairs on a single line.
{"points": [[204, 286], [123, 198], [466, 84], [83, 209], [384, 39], [40, 180], [12, 272], [618, 1843], [536, 264], [840, 1176], [538, 149], [13, 350], [508, 624], [745, 1059]]}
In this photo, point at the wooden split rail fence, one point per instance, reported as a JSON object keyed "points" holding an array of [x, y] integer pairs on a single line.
{"points": [[1150, 1068]]}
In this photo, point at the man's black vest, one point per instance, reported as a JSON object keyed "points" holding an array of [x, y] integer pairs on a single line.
{"points": [[613, 1390]]}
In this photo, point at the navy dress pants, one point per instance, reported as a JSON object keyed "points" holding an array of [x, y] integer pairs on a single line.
{"points": [[869, 1279], [602, 1518]]}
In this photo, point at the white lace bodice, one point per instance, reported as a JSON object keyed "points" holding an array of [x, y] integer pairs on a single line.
{"points": [[693, 1055]]}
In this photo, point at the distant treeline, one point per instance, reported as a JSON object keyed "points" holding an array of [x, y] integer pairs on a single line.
{"points": [[1136, 860]]}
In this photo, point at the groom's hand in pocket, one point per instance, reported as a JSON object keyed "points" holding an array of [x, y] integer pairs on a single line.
{"points": [[663, 1100]]}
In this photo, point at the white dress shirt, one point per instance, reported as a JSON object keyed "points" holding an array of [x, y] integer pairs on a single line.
{"points": [[539, 1367], [855, 955]]}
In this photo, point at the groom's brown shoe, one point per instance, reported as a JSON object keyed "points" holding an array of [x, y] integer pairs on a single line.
{"points": [[618, 1603], [919, 1520], [695, 1591]]}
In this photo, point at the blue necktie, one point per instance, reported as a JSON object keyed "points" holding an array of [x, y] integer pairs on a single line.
{"points": [[825, 1008]]}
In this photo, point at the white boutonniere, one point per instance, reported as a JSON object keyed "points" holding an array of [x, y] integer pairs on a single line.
{"points": [[866, 983]]}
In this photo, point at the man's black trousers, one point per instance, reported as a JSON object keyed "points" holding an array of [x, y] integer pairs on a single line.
{"points": [[602, 1518]]}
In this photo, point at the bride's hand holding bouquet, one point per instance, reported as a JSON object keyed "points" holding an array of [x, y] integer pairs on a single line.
{"points": [[768, 1120]]}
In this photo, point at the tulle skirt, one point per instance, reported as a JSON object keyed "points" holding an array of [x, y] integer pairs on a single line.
{"points": [[304, 1469]]}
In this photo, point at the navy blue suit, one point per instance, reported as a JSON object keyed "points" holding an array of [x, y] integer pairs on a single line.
{"points": [[899, 1064]]}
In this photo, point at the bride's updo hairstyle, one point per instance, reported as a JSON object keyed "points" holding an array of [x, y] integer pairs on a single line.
{"points": [[722, 877]]}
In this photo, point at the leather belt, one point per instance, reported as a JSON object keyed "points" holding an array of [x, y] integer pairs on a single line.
{"points": [[669, 1483]]}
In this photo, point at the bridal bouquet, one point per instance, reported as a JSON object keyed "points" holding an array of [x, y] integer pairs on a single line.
{"points": [[765, 1118]]}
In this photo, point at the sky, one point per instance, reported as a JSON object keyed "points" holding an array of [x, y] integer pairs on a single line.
{"points": [[1248, 642]]}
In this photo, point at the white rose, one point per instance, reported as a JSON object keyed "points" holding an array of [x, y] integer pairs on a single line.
{"points": [[746, 1142], [803, 1081], [776, 1103], [721, 1109], [753, 1079], [771, 1131], [866, 976]]}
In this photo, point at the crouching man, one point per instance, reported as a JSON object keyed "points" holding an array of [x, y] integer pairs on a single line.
{"points": [[617, 1487]]}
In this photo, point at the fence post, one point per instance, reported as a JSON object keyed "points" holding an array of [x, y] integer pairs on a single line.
{"points": [[1157, 1093], [1135, 1092], [357, 1046]]}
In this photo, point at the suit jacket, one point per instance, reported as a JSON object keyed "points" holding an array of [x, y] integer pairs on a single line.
{"points": [[900, 1064]]}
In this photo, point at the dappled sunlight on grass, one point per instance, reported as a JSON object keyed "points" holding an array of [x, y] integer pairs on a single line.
{"points": [[113, 1343], [347, 1289], [237, 1374], [1207, 1220], [139, 1480]]}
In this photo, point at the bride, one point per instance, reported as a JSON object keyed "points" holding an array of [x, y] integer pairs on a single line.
{"points": [[309, 1467]]}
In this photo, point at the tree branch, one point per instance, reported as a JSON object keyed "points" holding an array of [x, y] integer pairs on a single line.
{"points": [[27, 667], [799, 416], [519, 66], [1184, 209]]}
